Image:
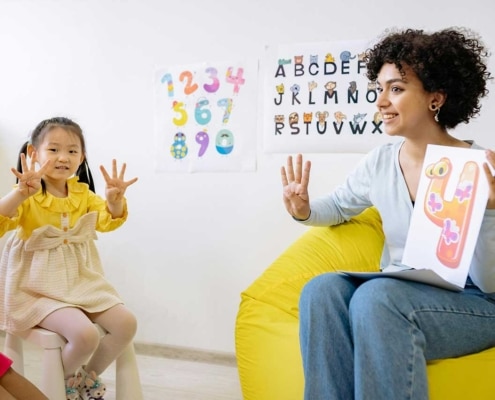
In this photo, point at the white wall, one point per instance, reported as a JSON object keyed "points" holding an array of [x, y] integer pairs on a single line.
{"points": [[177, 263]]}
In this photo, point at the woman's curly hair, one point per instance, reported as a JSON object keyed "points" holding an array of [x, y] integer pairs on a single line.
{"points": [[451, 61]]}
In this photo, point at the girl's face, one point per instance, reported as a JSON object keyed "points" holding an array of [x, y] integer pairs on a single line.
{"points": [[64, 149], [403, 102]]}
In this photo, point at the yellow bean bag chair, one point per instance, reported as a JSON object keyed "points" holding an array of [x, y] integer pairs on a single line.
{"points": [[266, 332]]}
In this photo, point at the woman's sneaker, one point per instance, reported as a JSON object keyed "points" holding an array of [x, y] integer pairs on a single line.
{"points": [[91, 387]]}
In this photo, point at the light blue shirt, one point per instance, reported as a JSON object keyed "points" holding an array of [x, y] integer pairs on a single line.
{"points": [[378, 181]]}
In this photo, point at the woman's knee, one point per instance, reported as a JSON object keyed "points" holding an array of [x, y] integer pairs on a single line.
{"points": [[376, 298], [326, 287]]}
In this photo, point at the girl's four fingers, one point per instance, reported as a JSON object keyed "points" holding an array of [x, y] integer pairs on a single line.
{"points": [[122, 171], [104, 173], [24, 163]]}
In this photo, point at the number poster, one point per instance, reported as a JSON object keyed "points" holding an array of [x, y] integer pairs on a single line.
{"points": [[317, 99], [205, 117]]}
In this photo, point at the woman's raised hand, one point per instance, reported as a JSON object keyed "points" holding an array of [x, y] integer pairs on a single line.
{"points": [[295, 180]]}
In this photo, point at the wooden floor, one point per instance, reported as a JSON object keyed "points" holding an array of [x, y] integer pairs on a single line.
{"points": [[162, 378]]}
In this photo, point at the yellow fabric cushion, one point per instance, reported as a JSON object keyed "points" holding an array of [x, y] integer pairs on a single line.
{"points": [[267, 337]]}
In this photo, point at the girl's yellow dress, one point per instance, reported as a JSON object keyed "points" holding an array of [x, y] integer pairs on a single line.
{"points": [[51, 261]]}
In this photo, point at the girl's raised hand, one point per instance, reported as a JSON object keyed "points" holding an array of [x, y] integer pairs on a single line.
{"points": [[115, 184], [295, 180], [29, 180]]}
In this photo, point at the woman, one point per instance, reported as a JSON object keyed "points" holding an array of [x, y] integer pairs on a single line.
{"points": [[372, 339]]}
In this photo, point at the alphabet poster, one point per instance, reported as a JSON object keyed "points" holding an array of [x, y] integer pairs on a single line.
{"points": [[447, 216], [317, 99], [205, 118]]}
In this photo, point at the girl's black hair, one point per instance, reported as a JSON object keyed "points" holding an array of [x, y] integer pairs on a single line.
{"points": [[83, 172], [451, 61]]}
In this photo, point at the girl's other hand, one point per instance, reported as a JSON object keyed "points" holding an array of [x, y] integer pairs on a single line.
{"points": [[115, 184]]}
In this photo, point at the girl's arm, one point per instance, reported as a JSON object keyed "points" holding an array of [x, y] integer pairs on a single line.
{"points": [[115, 189], [10, 202], [29, 183]]}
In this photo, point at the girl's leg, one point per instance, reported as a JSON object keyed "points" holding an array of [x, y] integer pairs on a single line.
{"points": [[79, 331], [398, 325], [121, 326], [325, 336], [15, 387]]}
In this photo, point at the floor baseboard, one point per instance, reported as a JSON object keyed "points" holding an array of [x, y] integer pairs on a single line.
{"points": [[185, 353], [181, 353]]}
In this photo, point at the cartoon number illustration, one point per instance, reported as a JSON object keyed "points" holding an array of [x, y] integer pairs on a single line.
{"points": [[190, 87], [452, 216], [178, 149], [227, 103], [178, 107], [213, 87], [224, 141], [170, 84], [203, 140], [236, 80], [202, 115]]}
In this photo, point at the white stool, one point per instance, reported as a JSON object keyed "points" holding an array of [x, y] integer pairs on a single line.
{"points": [[127, 383]]}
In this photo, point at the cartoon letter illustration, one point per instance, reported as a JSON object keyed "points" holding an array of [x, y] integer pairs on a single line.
{"points": [[452, 216]]}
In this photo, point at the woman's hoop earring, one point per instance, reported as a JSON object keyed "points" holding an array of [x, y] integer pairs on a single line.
{"points": [[434, 107]]}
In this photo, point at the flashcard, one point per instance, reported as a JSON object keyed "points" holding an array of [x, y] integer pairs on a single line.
{"points": [[450, 204]]}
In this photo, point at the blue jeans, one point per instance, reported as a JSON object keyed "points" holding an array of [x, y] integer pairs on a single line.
{"points": [[371, 339]]}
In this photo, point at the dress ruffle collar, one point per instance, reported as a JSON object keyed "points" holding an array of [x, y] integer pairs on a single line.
{"points": [[63, 204]]}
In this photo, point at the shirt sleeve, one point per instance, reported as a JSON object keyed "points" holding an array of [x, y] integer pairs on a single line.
{"points": [[482, 269], [7, 224], [348, 199], [105, 221]]}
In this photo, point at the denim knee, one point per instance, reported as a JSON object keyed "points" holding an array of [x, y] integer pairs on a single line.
{"points": [[326, 289], [374, 299]]}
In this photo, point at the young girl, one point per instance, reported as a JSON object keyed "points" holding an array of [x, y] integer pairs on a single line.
{"points": [[14, 386], [50, 269], [372, 339]]}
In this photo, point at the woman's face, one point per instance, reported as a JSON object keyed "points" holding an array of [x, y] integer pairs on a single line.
{"points": [[403, 102]]}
